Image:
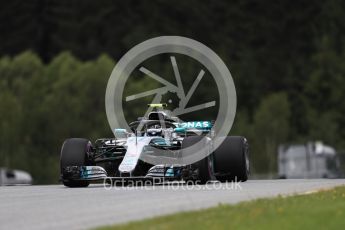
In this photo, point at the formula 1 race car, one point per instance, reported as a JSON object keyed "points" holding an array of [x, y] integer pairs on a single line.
{"points": [[121, 157]]}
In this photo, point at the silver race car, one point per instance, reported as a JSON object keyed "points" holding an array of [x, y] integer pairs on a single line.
{"points": [[122, 159]]}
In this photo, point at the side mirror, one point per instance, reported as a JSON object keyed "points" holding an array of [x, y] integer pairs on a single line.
{"points": [[121, 133]]}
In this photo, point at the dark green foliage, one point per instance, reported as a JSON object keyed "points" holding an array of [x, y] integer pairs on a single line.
{"points": [[42, 105]]}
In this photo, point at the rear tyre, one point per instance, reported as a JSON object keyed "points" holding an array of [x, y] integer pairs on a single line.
{"points": [[231, 159], [74, 153], [204, 167]]}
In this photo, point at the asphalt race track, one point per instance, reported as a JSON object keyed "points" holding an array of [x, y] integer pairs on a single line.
{"points": [[57, 207]]}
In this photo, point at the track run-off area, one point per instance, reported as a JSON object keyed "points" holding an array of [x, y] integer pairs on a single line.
{"points": [[59, 207]]}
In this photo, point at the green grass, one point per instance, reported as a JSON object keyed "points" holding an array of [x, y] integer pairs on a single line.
{"points": [[321, 210]]}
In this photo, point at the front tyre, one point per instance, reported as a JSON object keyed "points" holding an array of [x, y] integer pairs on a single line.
{"points": [[74, 153]]}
